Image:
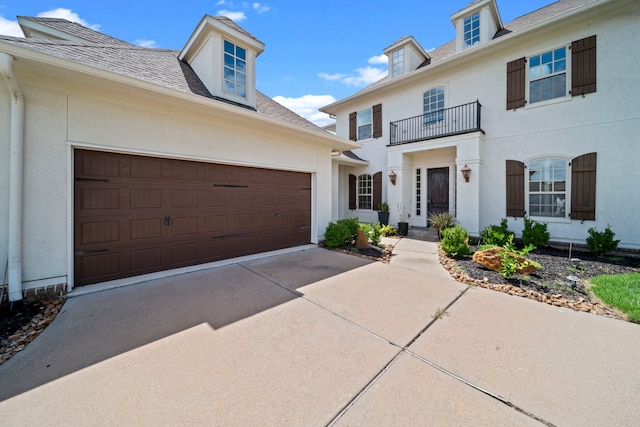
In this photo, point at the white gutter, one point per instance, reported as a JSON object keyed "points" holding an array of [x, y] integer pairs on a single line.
{"points": [[15, 178]]}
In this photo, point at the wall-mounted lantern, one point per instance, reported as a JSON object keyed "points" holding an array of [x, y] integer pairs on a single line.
{"points": [[465, 171], [392, 177]]}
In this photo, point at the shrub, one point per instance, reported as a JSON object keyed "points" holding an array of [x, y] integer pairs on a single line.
{"points": [[535, 233], [512, 260], [387, 230], [341, 233], [497, 235], [601, 243], [440, 221], [372, 231], [455, 241], [383, 207]]}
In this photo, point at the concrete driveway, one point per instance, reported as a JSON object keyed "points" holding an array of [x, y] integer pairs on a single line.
{"points": [[315, 337]]}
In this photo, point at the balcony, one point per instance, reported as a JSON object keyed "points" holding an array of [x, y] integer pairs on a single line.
{"points": [[437, 124]]}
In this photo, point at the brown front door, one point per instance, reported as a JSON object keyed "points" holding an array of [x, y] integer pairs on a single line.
{"points": [[135, 215], [437, 190]]}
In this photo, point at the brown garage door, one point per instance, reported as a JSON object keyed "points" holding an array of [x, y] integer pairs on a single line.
{"points": [[136, 215]]}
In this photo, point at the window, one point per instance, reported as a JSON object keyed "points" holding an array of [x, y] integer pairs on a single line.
{"points": [[364, 191], [433, 105], [235, 70], [397, 63], [552, 75], [418, 192], [547, 190], [472, 29], [365, 124], [548, 187], [548, 75]]}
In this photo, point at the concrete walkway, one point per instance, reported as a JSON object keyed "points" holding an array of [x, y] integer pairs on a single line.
{"points": [[316, 337]]}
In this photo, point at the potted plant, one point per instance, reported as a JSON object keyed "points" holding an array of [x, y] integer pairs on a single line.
{"points": [[383, 213], [403, 225]]}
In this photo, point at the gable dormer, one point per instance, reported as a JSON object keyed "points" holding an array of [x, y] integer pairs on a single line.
{"points": [[405, 55], [223, 55], [476, 24]]}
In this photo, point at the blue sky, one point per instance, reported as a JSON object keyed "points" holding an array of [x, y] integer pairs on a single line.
{"points": [[316, 52]]}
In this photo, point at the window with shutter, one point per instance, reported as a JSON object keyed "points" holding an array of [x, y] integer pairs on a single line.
{"points": [[353, 192], [365, 191], [377, 121], [583, 187], [516, 83], [353, 126], [377, 189], [515, 188], [583, 66]]}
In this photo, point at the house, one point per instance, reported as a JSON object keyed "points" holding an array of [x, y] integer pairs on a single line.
{"points": [[117, 161], [538, 117]]}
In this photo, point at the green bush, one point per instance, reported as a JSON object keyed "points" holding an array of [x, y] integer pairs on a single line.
{"points": [[387, 230], [601, 243], [341, 233], [535, 233], [455, 241], [513, 260], [497, 235], [440, 221], [372, 231]]}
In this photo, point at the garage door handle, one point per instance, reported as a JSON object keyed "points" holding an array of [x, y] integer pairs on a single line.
{"points": [[167, 220], [94, 251]]}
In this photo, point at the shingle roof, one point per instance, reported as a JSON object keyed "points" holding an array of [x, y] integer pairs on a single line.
{"points": [[76, 30], [157, 66]]}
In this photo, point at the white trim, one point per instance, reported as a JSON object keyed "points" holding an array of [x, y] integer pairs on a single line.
{"points": [[44, 283]]}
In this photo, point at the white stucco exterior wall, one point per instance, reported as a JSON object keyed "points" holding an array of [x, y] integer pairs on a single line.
{"points": [[64, 111]]}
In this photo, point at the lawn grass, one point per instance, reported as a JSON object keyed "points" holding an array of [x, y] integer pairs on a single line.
{"points": [[621, 291]]}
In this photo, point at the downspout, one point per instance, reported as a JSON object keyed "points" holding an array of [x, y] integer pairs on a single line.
{"points": [[14, 266]]}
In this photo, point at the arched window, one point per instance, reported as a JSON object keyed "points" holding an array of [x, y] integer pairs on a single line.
{"points": [[433, 105]]}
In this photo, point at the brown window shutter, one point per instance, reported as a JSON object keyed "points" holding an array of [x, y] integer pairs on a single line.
{"points": [[516, 83], [377, 121], [515, 188], [583, 187], [583, 66], [353, 126], [353, 185], [377, 190]]}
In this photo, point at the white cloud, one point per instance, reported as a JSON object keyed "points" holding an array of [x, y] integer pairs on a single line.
{"points": [[260, 8], [220, 3], [361, 77], [307, 106], [381, 59], [10, 28], [69, 15], [145, 43], [234, 16], [332, 77]]}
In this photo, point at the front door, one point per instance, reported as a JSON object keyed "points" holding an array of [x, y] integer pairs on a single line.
{"points": [[437, 190]]}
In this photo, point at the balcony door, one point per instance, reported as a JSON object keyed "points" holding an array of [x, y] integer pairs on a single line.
{"points": [[437, 190]]}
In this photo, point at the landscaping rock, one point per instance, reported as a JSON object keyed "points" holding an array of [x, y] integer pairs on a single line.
{"points": [[491, 258], [362, 241]]}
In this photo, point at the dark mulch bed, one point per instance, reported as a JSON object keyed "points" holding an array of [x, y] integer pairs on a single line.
{"points": [[556, 267]]}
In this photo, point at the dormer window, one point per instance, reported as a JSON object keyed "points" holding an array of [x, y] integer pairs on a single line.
{"points": [[472, 29], [397, 63], [235, 70]]}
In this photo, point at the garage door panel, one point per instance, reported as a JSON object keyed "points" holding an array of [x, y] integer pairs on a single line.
{"points": [[99, 198], [145, 228], [99, 232], [135, 214], [214, 223], [184, 225], [145, 198], [146, 167], [184, 198]]}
